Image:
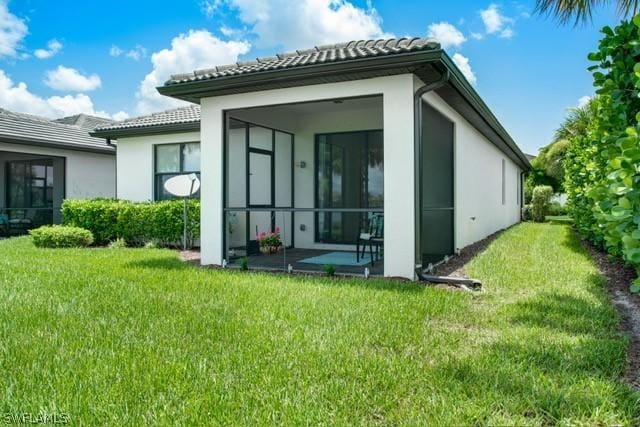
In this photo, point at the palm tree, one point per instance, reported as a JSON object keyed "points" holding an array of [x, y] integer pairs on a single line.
{"points": [[577, 121], [581, 11]]}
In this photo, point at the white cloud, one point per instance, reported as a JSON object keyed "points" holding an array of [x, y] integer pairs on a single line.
{"points": [[494, 21], [64, 78], [120, 115], [305, 23], [477, 36], [462, 62], [507, 33], [12, 31], [584, 101], [17, 97], [188, 52], [115, 51], [232, 32], [446, 34], [136, 53], [53, 47], [209, 7]]}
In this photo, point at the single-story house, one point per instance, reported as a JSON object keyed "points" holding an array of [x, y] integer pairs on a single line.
{"points": [[43, 162], [375, 143]]}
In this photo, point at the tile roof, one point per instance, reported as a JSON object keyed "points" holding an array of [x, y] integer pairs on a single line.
{"points": [[357, 49], [84, 121], [184, 115], [28, 129]]}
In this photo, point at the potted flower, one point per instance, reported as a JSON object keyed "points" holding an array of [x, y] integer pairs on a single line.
{"points": [[270, 242]]}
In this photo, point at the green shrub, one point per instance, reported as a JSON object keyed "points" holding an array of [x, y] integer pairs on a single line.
{"points": [[526, 213], [136, 223], [329, 270], [556, 209], [540, 202], [59, 236], [244, 263], [119, 243]]}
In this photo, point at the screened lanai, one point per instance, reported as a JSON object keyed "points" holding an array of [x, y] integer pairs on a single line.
{"points": [[31, 191], [304, 186]]}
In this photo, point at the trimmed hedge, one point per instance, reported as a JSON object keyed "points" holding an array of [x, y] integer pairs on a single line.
{"points": [[602, 165], [136, 223], [60, 236]]}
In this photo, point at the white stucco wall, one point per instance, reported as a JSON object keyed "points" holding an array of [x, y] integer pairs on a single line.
{"points": [[135, 163], [479, 210], [88, 175], [397, 121]]}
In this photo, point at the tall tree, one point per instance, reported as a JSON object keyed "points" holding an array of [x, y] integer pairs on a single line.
{"points": [[581, 11]]}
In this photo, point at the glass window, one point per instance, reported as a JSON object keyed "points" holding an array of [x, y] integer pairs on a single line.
{"points": [[168, 158], [30, 184], [191, 157], [350, 174], [172, 160]]}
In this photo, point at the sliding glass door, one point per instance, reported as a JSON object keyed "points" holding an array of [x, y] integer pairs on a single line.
{"points": [[29, 190], [349, 174]]}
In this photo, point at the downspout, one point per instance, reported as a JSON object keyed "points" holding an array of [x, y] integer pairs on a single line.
{"points": [[417, 144]]}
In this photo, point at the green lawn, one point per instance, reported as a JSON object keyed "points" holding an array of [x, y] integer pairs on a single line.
{"points": [[133, 336]]}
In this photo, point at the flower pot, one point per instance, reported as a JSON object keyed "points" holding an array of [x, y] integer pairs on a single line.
{"points": [[266, 250]]}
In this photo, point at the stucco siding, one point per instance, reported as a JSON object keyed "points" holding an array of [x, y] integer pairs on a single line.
{"points": [[479, 207], [88, 175], [135, 163]]}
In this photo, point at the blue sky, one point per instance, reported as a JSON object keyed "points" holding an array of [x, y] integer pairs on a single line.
{"points": [[105, 57]]}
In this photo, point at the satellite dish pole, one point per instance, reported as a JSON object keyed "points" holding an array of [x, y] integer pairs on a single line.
{"points": [[183, 186]]}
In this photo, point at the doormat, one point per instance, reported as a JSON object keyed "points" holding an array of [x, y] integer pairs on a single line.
{"points": [[339, 258]]}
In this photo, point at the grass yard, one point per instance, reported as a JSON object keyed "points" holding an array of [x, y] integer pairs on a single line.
{"points": [[133, 336]]}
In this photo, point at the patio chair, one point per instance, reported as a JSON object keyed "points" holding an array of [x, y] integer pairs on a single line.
{"points": [[19, 223], [371, 233], [4, 225]]}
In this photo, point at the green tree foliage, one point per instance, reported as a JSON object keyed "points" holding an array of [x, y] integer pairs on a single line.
{"points": [[602, 166], [547, 168]]}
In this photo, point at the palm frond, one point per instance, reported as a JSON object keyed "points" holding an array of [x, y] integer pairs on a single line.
{"points": [[581, 11]]}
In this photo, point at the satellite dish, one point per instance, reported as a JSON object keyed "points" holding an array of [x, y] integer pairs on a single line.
{"points": [[183, 185]]}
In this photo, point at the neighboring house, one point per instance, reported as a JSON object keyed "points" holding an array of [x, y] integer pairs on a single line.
{"points": [[43, 162], [152, 149], [327, 144]]}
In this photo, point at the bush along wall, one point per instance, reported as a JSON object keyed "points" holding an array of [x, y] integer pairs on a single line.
{"points": [[136, 223], [602, 166]]}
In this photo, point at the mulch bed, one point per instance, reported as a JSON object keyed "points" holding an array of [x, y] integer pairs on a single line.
{"points": [[619, 278]]}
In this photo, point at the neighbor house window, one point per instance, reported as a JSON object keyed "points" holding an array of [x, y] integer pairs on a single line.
{"points": [[172, 160]]}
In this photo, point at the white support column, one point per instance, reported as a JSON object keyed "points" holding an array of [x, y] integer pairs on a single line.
{"points": [[399, 183], [212, 193]]}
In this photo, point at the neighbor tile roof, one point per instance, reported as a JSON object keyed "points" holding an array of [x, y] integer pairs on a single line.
{"points": [[352, 50], [183, 115], [84, 121], [26, 128]]}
